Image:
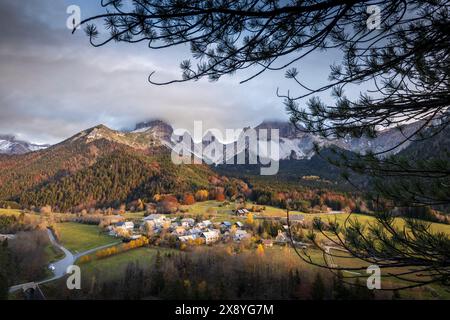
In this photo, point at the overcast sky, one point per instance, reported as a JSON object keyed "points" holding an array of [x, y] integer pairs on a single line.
{"points": [[54, 84]]}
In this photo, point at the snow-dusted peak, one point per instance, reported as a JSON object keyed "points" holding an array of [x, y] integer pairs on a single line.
{"points": [[10, 145]]}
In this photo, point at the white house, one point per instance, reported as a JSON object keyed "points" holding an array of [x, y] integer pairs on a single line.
{"points": [[240, 235], [127, 225], [239, 224], [187, 238], [187, 222], [226, 225], [242, 212], [211, 236], [207, 223], [157, 218], [179, 231], [195, 231], [160, 221]]}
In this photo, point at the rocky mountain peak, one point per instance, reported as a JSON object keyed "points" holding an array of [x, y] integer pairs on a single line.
{"points": [[10, 145]]}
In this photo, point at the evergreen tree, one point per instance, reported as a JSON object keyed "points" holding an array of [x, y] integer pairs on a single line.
{"points": [[318, 288]]}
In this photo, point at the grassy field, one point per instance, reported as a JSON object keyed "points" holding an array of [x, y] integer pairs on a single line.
{"points": [[366, 220], [226, 213], [113, 266], [134, 215], [79, 237], [427, 292]]}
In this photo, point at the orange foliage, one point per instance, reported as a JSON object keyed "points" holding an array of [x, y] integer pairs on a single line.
{"points": [[188, 199]]}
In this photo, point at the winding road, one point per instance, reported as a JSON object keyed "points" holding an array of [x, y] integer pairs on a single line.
{"points": [[61, 265]]}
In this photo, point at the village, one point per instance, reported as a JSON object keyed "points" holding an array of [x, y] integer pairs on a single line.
{"points": [[190, 231]]}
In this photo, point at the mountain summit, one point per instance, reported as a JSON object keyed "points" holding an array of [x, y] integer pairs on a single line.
{"points": [[10, 145]]}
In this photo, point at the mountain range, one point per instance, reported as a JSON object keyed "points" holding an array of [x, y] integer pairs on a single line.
{"points": [[294, 143], [102, 167], [10, 145]]}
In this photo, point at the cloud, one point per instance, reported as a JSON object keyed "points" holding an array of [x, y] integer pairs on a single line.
{"points": [[54, 84]]}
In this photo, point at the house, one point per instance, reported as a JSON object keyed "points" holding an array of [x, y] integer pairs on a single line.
{"points": [[174, 225], [160, 221], [207, 223], [241, 235], [282, 237], [241, 212], [157, 218], [267, 243], [127, 225], [187, 238], [226, 225], [210, 236], [195, 231], [188, 222], [179, 231], [148, 225], [239, 224]]}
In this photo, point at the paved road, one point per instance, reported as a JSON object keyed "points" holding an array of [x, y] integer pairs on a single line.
{"points": [[62, 265], [330, 258]]}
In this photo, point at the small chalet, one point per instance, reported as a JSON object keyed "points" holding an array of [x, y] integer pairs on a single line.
{"points": [[239, 224], [241, 212]]}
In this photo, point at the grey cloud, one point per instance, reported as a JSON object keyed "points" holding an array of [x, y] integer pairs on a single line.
{"points": [[54, 84]]}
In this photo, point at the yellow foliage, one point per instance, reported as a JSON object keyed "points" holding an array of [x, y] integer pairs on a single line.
{"points": [[260, 250], [250, 220], [85, 259], [202, 195]]}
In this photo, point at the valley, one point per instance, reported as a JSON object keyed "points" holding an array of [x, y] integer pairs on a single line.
{"points": [[117, 202]]}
